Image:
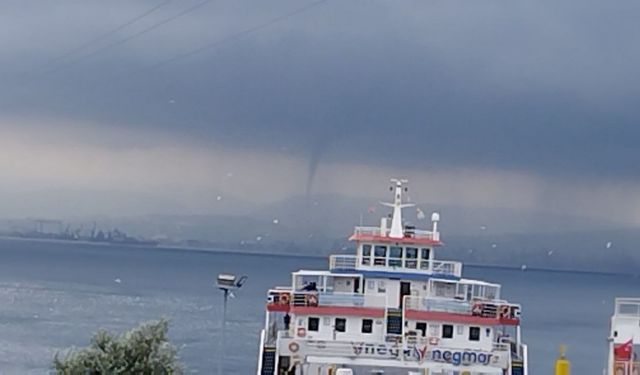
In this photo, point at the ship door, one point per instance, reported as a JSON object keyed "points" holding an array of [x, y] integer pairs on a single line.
{"points": [[405, 290]]}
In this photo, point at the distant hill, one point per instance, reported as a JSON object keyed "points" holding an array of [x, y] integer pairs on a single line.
{"points": [[321, 225]]}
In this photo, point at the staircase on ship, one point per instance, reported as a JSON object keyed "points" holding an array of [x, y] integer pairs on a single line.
{"points": [[268, 361]]}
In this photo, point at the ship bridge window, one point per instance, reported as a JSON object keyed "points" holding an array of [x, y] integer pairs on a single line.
{"points": [[380, 255], [395, 256], [366, 250], [366, 255], [425, 253], [411, 256], [422, 327], [424, 258]]}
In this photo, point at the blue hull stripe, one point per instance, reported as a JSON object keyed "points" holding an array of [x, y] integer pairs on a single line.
{"points": [[396, 275]]}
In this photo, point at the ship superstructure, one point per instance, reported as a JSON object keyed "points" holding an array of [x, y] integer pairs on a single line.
{"points": [[624, 338], [391, 308]]}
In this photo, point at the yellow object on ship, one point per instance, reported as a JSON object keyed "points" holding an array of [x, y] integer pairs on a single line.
{"points": [[563, 366]]}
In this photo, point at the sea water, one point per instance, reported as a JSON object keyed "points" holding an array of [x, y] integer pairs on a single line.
{"points": [[55, 295]]}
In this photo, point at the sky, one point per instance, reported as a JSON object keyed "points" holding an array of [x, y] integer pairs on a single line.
{"points": [[527, 105]]}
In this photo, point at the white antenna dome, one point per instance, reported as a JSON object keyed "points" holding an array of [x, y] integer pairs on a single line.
{"points": [[435, 216]]}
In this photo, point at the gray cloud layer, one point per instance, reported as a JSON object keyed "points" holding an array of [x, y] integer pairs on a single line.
{"points": [[549, 87]]}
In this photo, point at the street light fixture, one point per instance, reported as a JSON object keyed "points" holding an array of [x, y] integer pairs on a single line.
{"points": [[227, 283]]}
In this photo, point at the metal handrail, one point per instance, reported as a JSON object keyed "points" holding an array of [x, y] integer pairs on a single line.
{"points": [[629, 307], [447, 267], [487, 308], [343, 262], [441, 267], [316, 298], [376, 231]]}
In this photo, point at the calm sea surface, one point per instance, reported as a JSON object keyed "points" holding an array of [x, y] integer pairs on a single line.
{"points": [[54, 295]]}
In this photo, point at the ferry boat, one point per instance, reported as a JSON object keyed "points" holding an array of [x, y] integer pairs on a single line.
{"points": [[623, 338], [391, 308]]}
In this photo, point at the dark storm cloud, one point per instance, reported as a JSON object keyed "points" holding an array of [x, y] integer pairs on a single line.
{"points": [[544, 86]]}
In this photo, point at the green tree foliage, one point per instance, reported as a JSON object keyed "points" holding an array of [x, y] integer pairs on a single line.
{"points": [[143, 350]]}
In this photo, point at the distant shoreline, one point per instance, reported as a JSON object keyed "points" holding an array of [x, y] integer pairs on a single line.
{"points": [[272, 253], [52, 240], [162, 247]]}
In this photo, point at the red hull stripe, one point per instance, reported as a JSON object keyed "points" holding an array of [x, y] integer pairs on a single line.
{"points": [[277, 307], [405, 240], [338, 310], [459, 318]]}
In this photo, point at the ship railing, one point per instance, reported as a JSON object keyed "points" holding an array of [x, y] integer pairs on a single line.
{"points": [[500, 347], [437, 305], [279, 296], [448, 268], [343, 262], [497, 309], [312, 299], [626, 367], [369, 231], [316, 298], [377, 232], [435, 267], [260, 354], [352, 299], [282, 288], [629, 307]]}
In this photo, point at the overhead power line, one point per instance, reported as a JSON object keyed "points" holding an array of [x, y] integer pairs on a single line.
{"points": [[238, 35], [132, 36], [109, 33]]}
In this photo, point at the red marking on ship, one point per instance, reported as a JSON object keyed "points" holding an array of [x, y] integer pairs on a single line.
{"points": [[403, 240], [339, 310], [459, 318]]}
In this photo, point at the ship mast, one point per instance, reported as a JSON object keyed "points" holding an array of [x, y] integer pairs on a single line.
{"points": [[397, 205]]}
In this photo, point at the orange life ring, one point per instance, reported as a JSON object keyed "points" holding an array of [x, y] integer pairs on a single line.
{"points": [[284, 298], [433, 341], [504, 311], [294, 347], [476, 309], [302, 332], [312, 299], [619, 369]]}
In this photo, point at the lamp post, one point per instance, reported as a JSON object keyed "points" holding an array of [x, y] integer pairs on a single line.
{"points": [[227, 283]]}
